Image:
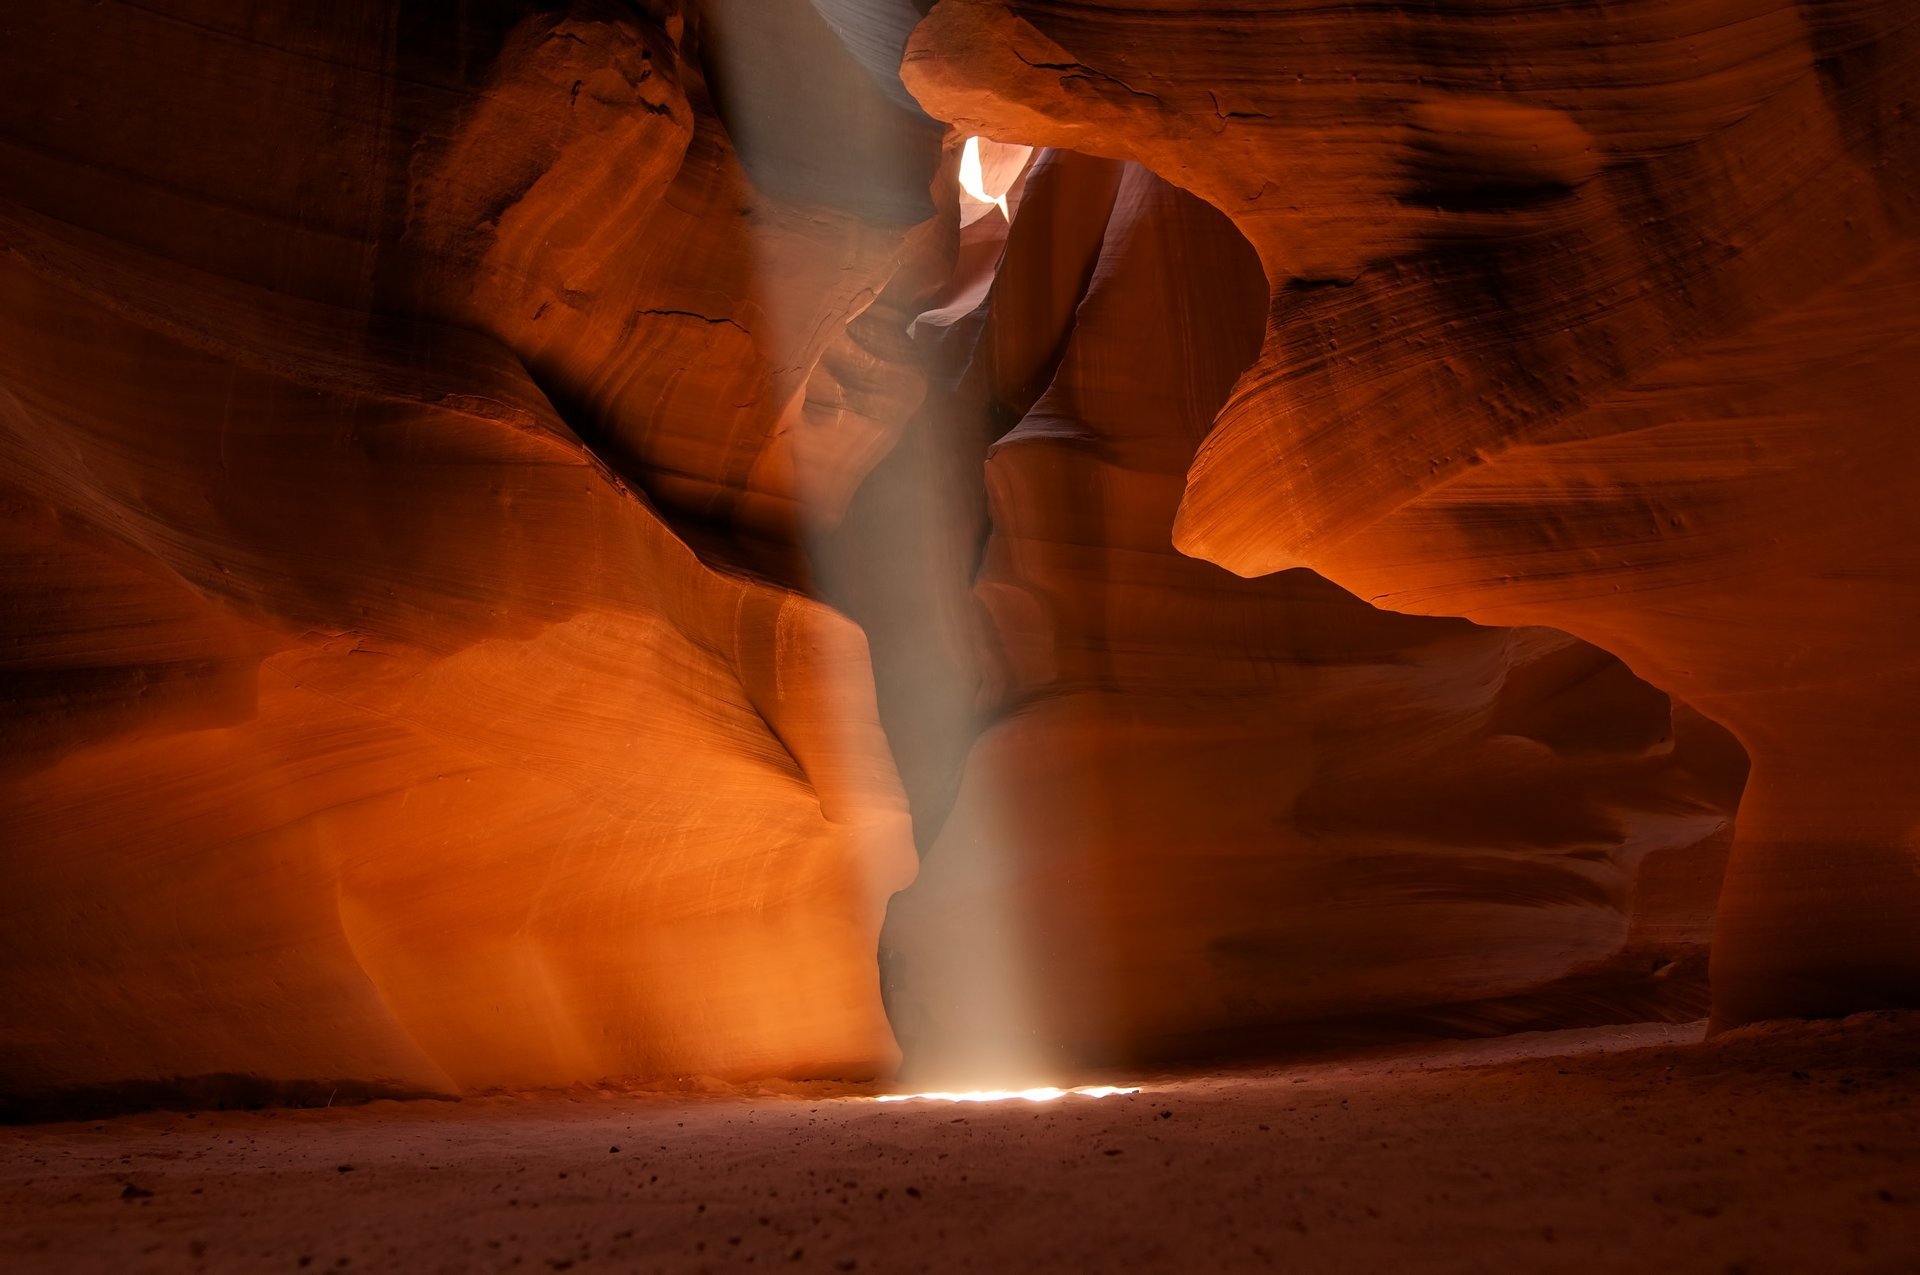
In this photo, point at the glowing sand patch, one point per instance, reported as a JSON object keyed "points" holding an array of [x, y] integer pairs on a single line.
{"points": [[1008, 1095]]}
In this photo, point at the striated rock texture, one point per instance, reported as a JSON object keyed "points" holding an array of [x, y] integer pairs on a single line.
{"points": [[1214, 814], [360, 722], [730, 335], [517, 517], [1596, 316]]}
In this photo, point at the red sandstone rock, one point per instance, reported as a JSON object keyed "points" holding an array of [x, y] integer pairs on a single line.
{"points": [[729, 348], [391, 399], [1215, 812], [493, 782], [362, 723], [1591, 316]]}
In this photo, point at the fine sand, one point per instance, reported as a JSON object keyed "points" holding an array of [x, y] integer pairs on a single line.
{"points": [[1629, 1149]]}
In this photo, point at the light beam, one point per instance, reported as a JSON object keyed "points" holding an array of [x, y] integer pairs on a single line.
{"points": [[1043, 1094]]}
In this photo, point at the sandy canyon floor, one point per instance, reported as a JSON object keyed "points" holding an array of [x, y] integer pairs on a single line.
{"points": [[1633, 1149]]}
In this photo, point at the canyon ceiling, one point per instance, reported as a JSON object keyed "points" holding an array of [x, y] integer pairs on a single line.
{"points": [[545, 542]]}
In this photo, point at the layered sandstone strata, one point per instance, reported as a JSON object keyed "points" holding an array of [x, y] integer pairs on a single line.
{"points": [[1212, 814], [1593, 316], [516, 516], [362, 724]]}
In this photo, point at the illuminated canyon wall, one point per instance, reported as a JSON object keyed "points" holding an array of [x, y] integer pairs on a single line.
{"points": [[1596, 316], [363, 722], [1212, 814], [523, 523]]}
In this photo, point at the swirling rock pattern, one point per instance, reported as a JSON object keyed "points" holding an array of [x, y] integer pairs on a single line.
{"points": [[362, 724], [1215, 814], [726, 332], [1591, 316], [514, 517]]}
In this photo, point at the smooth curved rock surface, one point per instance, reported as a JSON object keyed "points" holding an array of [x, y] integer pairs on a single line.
{"points": [[1592, 316], [362, 724], [1209, 814], [514, 518], [492, 782], [730, 335]]}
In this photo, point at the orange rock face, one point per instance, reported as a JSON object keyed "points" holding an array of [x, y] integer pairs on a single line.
{"points": [[738, 353], [1591, 316], [1214, 814], [361, 722], [516, 518]]}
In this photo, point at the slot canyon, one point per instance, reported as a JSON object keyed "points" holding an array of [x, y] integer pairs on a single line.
{"points": [[1167, 635]]}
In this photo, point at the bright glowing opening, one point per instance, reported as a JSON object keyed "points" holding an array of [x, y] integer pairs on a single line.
{"points": [[1008, 1095], [987, 171]]}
